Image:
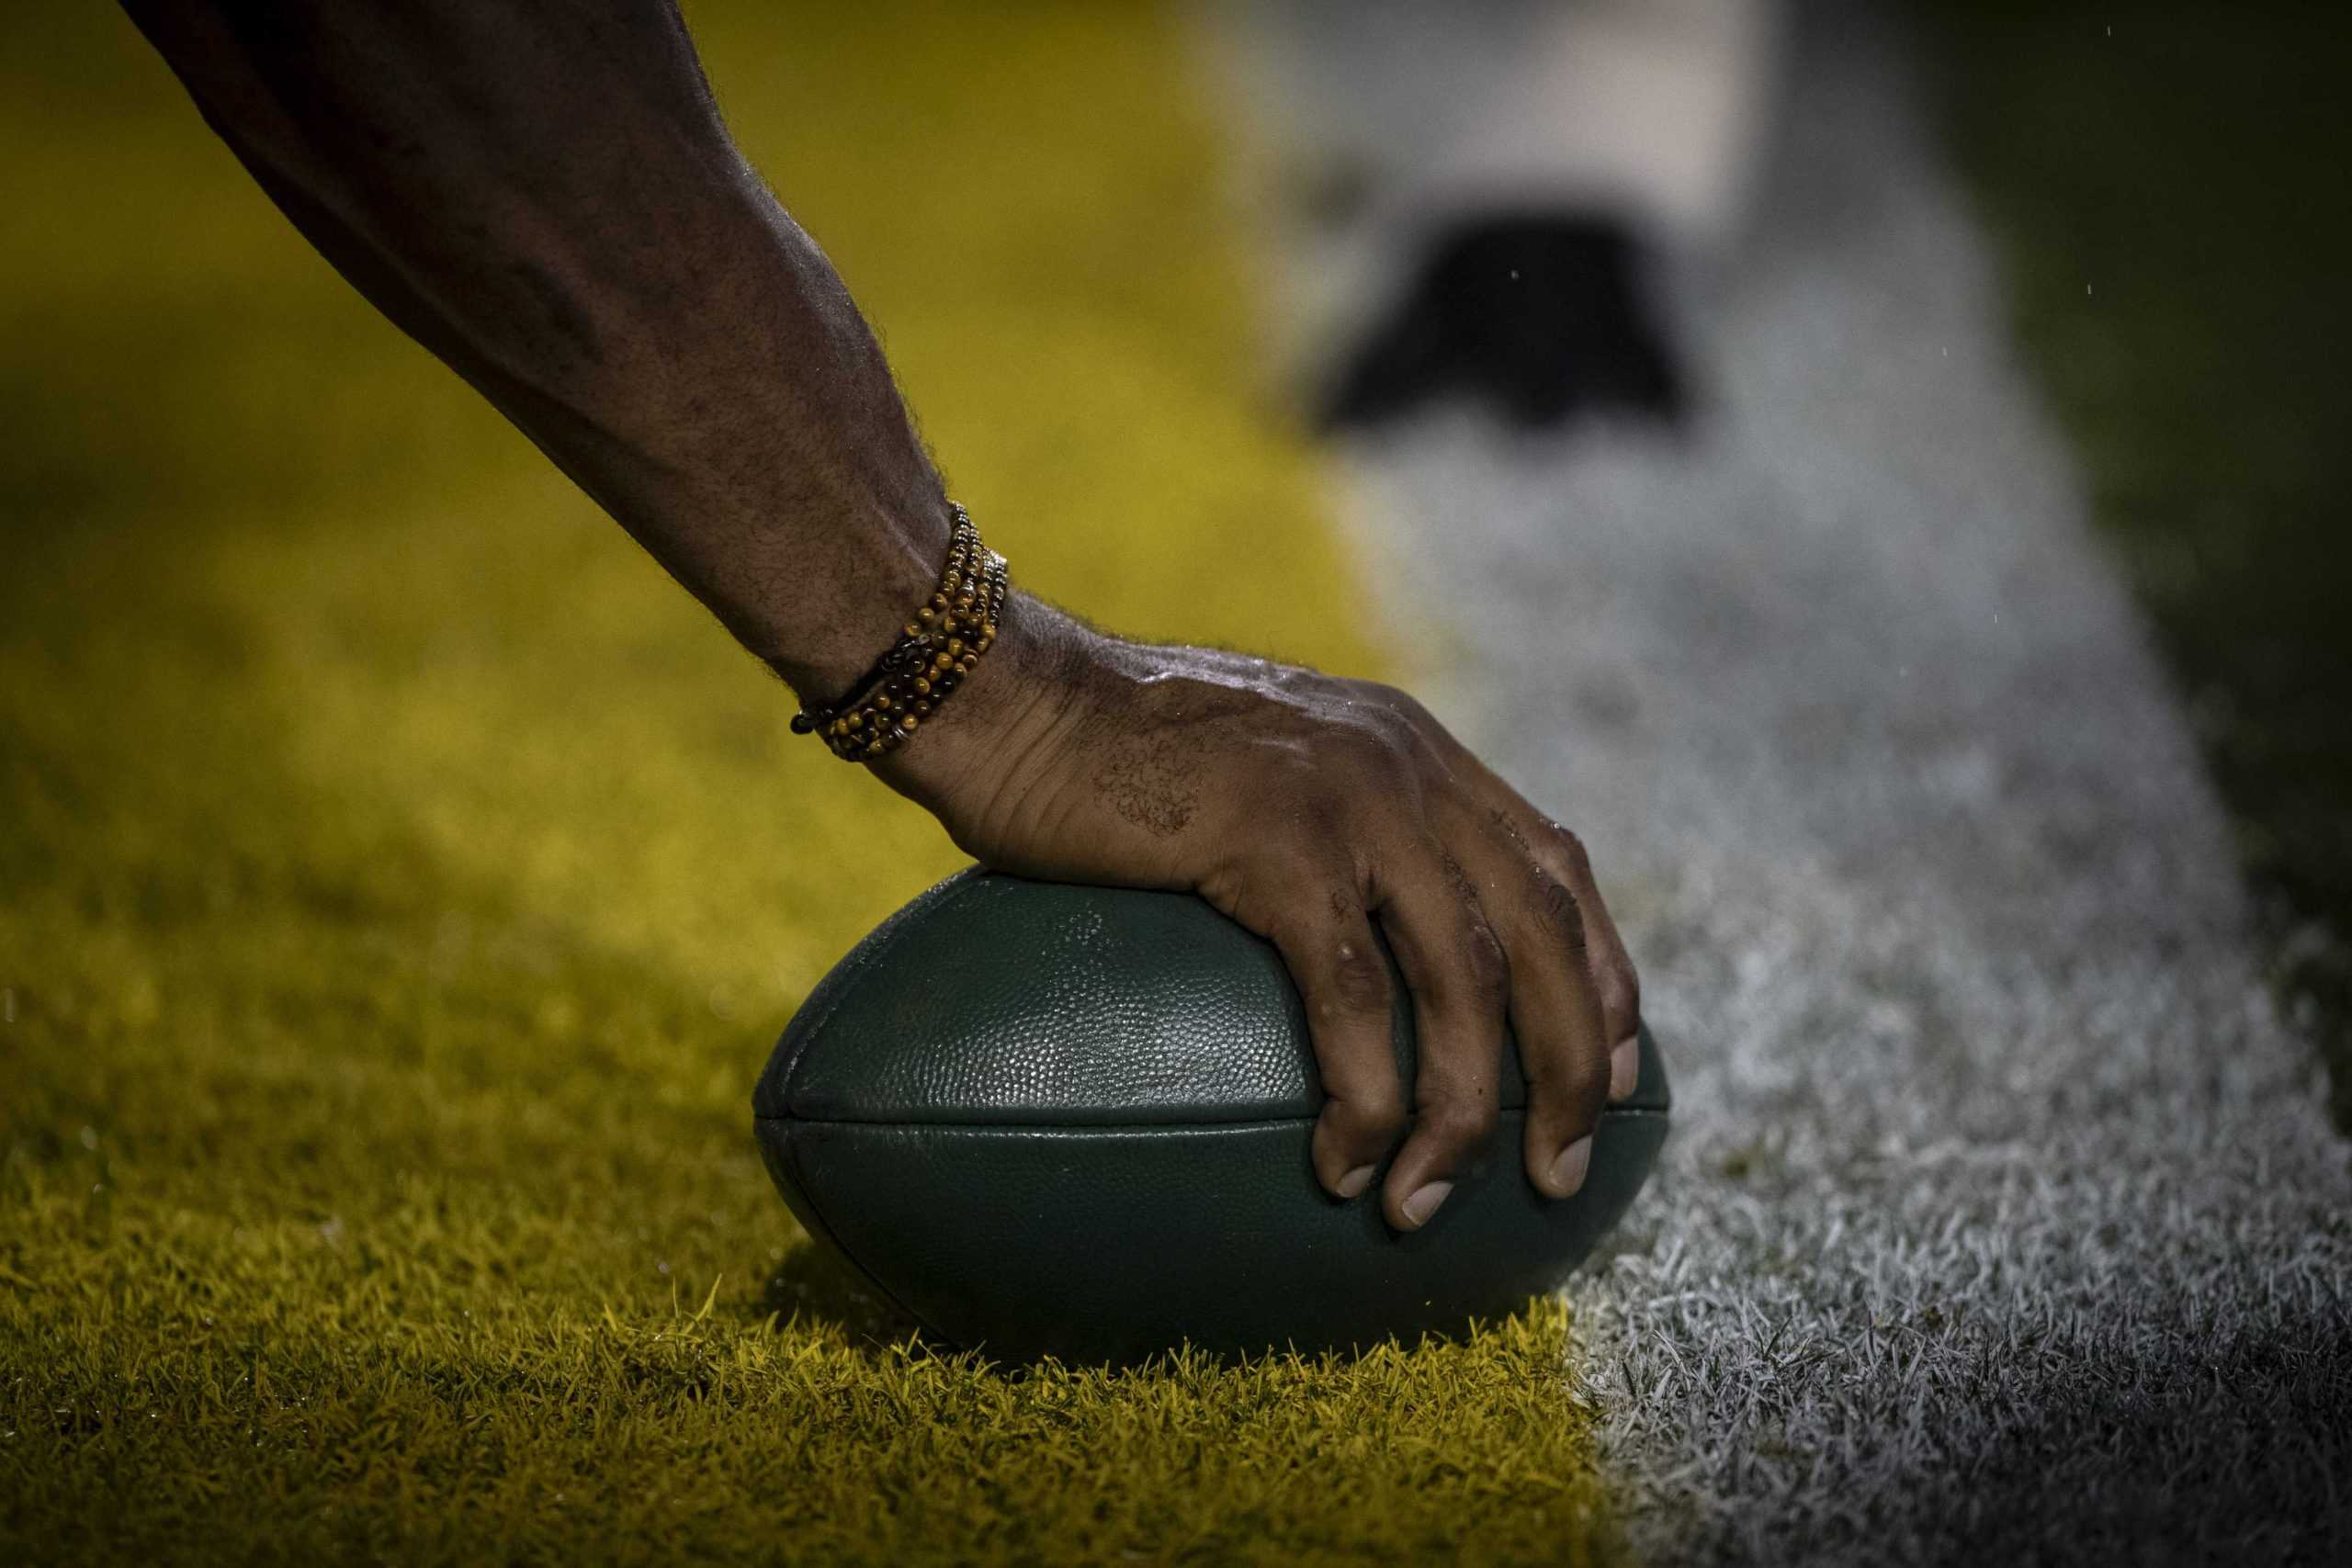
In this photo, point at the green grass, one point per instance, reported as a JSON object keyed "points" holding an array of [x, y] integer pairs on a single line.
{"points": [[2166, 184], [400, 883]]}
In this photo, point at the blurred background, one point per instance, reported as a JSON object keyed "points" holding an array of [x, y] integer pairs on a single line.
{"points": [[402, 880], [2173, 161]]}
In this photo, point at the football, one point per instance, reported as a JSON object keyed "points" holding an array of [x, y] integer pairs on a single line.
{"points": [[1053, 1119]]}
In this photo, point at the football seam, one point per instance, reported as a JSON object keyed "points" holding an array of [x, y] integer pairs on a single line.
{"points": [[862, 959], [826, 1234], [1629, 1112]]}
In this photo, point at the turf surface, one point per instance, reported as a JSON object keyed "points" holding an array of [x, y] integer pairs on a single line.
{"points": [[2001, 1222], [403, 882], [2156, 179]]}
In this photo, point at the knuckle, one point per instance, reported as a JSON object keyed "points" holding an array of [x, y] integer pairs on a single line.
{"points": [[1568, 1081], [1358, 976], [1378, 695], [1557, 909], [1373, 1121], [1590, 1080], [1407, 712], [1484, 962], [1460, 1121], [1622, 987], [1572, 847]]}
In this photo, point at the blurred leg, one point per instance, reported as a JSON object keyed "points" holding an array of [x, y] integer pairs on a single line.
{"points": [[1527, 179]]}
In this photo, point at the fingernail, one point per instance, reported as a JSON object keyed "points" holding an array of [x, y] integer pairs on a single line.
{"points": [[1567, 1171], [1352, 1184], [1424, 1202], [1625, 1068]]}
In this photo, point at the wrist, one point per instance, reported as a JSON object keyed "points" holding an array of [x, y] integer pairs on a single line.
{"points": [[976, 753], [901, 569]]}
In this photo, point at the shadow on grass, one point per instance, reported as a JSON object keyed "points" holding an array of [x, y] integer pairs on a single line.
{"points": [[814, 1288], [816, 1285]]}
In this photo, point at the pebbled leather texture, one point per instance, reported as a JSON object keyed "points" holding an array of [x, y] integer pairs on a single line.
{"points": [[995, 999], [1070, 1121]]}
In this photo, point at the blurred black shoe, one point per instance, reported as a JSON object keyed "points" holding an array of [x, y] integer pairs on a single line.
{"points": [[1545, 317]]}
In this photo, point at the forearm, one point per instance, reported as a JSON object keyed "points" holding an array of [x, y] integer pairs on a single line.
{"points": [[543, 195]]}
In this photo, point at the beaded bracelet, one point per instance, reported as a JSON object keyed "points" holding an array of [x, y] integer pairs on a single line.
{"points": [[939, 648]]}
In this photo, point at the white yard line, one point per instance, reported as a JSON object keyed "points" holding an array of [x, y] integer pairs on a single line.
{"points": [[2001, 1215]]}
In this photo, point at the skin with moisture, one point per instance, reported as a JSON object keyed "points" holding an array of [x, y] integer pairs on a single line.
{"points": [[546, 197]]}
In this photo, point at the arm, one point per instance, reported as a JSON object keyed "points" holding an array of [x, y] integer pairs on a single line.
{"points": [[542, 192]]}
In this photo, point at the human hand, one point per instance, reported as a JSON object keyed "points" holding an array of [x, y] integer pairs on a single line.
{"points": [[1313, 810]]}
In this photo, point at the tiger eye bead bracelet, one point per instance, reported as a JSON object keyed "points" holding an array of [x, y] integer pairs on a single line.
{"points": [[940, 647]]}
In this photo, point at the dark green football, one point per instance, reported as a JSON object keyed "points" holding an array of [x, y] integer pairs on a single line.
{"points": [[1050, 1120]]}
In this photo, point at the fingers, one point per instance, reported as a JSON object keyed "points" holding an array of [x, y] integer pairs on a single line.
{"points": [[1328, 945], [1518, 932], [1555, 1004], [1562, 856], [1495, 920], [1460, 981]]}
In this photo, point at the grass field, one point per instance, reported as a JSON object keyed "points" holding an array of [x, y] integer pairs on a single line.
{"points": [[2162, 183], [403, 882]]}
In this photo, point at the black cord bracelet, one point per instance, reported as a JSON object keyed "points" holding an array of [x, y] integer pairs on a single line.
{"points": [[941, 646]]}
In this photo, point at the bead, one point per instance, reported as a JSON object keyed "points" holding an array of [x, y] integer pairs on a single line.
{"points": [[939, 647]]}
